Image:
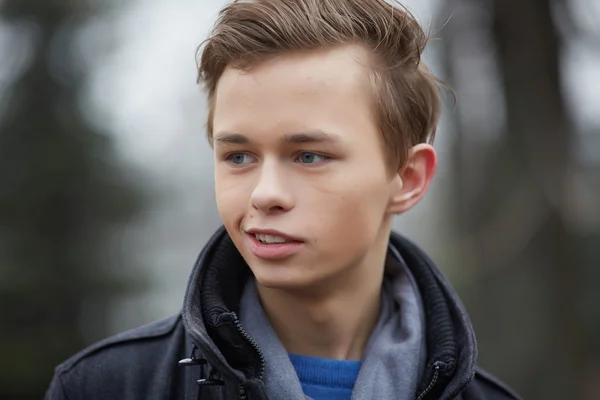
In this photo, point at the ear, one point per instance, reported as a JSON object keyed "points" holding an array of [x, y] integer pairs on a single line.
{"points": [[413, 179]]}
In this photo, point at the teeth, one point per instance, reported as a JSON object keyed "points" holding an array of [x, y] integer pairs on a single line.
{"points": [[269, 238]]}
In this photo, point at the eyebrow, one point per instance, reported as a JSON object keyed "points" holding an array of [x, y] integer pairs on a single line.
{"points": [[316, 136]]}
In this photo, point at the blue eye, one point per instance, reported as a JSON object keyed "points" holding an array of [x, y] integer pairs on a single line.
{"points": [[239, 159], [306, 157]]}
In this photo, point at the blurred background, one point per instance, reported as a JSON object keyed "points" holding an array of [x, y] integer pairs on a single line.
{"points": [[106, 179]]}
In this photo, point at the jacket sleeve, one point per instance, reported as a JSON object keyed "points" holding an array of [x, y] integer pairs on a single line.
{"points": [[56, 390]]}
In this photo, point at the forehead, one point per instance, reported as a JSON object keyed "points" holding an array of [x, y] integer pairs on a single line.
{"points": [[296, 91]]}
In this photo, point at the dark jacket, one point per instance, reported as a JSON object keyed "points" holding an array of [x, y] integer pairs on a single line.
{"points": [[204, 352]]}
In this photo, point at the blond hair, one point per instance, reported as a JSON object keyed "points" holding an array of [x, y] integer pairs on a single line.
{"points": [[406, 95]]}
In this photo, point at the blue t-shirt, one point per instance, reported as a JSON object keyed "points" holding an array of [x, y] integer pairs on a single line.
{"points": [[325, 379]]}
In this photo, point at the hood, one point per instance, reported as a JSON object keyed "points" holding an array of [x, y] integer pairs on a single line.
{"points": [[212, 302]]}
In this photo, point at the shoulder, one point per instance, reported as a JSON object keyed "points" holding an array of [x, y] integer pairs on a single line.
{"points": [[121, 360], [488, 387], [125, 343]]}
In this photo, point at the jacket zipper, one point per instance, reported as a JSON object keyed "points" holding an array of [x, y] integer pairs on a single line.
{"points": [[242, 391], [238, 325], [261, 372], [434, 379]]}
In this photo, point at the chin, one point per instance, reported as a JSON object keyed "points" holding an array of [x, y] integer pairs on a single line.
{"points": [[279, 277]]}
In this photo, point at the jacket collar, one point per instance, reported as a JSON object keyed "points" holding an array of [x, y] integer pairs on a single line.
{"points": [[451, 344], [217, 282]]}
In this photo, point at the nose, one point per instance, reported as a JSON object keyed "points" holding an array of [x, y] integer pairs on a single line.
{"points": [[270, 194]]}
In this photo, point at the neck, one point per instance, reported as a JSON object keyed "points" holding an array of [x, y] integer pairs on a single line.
{"points": [[336, 322]]}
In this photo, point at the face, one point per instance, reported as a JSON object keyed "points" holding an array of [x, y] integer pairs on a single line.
{"points": [[301, 181]]}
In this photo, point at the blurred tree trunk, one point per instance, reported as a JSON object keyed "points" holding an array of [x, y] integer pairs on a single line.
{"points": [[538, 123], [511, 200], [62, 196]]}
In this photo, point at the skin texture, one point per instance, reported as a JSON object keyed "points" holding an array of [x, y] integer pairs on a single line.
{"points": [[337, 195]]}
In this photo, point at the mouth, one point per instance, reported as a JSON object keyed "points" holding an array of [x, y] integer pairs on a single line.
{"points": [[271, 237], [273, 245]]}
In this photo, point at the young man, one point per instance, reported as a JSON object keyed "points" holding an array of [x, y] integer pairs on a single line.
{"points": [[320, 117]]}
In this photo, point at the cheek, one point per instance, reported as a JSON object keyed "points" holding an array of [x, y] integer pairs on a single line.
{"points": [[349, 217], [230, 199]]}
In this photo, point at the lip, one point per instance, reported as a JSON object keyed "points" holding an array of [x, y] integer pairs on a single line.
{"points": [[275, 251], [272, 232]]}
